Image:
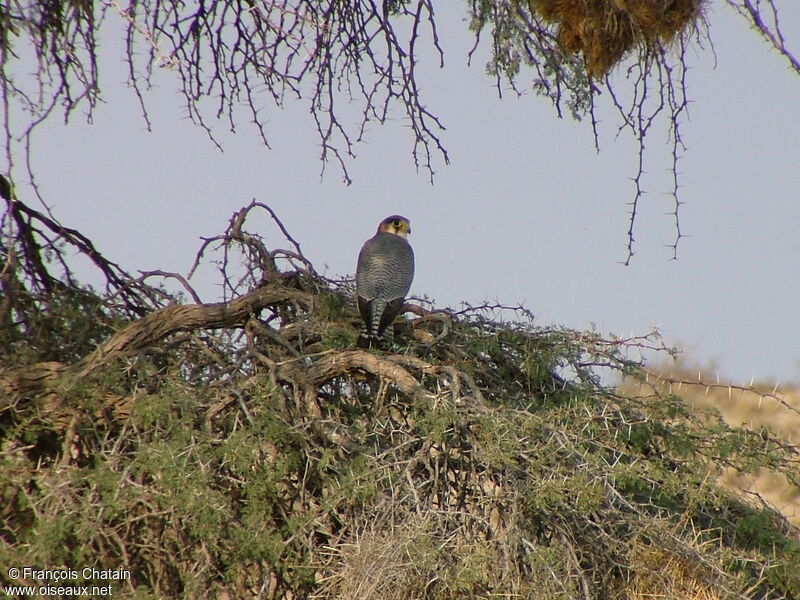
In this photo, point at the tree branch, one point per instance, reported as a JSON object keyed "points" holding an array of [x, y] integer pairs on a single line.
{"points": [[145, 332]]}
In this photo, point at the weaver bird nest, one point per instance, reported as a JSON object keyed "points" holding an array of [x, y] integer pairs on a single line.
{"points": [[605, 30]]}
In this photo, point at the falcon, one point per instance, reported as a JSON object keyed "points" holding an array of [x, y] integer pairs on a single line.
{"points": [[383, 277]]}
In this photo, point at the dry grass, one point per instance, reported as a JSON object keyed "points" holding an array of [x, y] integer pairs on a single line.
{"points": [[752, 410], [758, 407], [389, 557], [659, 575]]}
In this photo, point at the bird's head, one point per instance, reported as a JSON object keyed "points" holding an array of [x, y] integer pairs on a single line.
{"points": [[396, 225]]}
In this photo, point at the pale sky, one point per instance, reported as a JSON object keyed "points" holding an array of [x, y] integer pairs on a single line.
{"points": [[527, 211]]}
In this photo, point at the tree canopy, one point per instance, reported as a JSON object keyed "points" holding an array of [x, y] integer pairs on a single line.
{"points": [[247, 449]]}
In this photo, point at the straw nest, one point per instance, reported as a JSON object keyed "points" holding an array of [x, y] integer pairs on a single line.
{"points": [[605, 30]]}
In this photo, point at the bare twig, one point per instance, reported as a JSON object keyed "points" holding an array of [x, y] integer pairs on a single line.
{"points": [[768, 26]]}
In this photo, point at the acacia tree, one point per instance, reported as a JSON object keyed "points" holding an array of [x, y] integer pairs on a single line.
{"points": [[333, 55], [246, 449], [243, 447]]}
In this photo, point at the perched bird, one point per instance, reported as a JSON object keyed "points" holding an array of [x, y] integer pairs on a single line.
{"points": [[383, 277]]}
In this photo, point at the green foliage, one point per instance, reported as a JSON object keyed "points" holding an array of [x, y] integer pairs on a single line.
{"points": [[332, 313], [520, 38], [62, 326], [512, 470]]}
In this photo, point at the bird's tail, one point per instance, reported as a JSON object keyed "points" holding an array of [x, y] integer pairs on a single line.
{"points": [[371, 339], [365, 341]]}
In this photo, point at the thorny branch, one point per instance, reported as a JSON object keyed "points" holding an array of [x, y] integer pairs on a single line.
{"points": [[331, 55], [764, 17], [676, 383], [658, 85], [35, 268], [651, 64]]}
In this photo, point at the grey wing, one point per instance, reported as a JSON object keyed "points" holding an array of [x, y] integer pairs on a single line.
{"points": [[402, 270], [385, 268]]}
